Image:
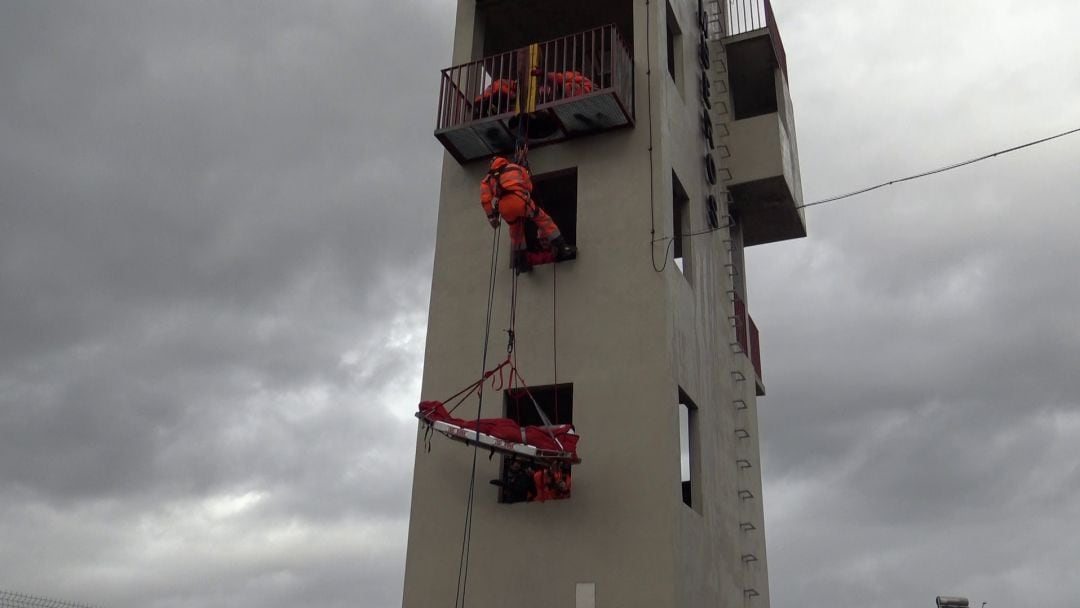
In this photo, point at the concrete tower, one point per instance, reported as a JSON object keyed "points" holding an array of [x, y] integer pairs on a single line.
{"points": [[678, 154]]}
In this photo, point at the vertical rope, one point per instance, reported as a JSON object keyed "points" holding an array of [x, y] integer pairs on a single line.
{"points": [[466, 536], [555, 339]]}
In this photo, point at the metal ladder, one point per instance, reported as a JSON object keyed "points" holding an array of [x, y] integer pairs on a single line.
{"points": [[720, 115]]}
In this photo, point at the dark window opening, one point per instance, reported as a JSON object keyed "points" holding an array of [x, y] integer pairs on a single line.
{"points": [[674, 46], [521, 480], [680, 224], [556, 401], [556, 194], [752, 74], [688, 452], [507, 26]]}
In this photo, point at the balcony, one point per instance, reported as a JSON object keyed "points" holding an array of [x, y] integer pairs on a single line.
{"points": [[765, 183], [763, 166], [748, 341], [580, 84]]}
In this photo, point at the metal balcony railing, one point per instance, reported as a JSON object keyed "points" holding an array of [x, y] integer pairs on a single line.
{"points": [[734, 17], [583, 83]]}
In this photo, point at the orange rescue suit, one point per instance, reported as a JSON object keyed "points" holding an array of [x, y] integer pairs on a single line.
{"points": [[506, 191], [551, 484], [573, 83]]}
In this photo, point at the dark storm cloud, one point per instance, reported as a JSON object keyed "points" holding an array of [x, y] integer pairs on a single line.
{"points": [[215, 243]]}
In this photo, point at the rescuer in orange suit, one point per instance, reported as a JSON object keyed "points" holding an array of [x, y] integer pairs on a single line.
{"points": [[552, 482], [572, 83], [506, 191]]}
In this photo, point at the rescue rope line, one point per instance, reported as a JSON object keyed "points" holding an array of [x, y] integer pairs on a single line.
{"points": [[939, 169], [463, 562], [555, 337]]}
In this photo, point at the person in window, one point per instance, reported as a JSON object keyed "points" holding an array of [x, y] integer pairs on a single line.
{"points": [[506, 192], [497, 98], [569, 84], [552, 482]]}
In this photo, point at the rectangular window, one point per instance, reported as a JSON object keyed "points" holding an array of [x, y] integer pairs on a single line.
{"points": [[556, 194], [674, 48], [507, 26], [752, 78], [688, 452], [680, 224], [519, 479], [556, 401]]}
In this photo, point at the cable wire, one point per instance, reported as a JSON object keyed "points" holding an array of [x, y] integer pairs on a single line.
{"points": [[938, 170], [466, 538]]}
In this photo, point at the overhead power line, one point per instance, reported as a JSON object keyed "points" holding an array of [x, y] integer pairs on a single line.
{"points": [[939, 170]]}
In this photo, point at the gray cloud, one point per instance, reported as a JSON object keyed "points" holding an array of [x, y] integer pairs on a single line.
{"points": [[920, 348], [214, 260]]}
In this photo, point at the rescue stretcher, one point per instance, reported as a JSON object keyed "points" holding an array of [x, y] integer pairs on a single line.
{"points": [[553, 443]]}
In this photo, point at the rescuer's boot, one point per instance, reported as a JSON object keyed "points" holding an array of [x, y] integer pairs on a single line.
{"points": [[520, 262], [562, 250]]}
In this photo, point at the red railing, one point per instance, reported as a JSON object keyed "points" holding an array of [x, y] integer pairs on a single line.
{"points": [[741, 325], [742, 16], [587, 63], [755, 348], [746, 335]]}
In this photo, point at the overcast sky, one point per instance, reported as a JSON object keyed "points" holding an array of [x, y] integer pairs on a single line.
{"points": [[216, 224]]}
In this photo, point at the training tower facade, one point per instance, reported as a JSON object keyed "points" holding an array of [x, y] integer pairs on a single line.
{"points": [[680, 153]]}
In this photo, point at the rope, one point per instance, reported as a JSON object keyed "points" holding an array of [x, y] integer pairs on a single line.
{"points": [[467, 392], [521, 144], [466, 537], [555, 339], [546, 422]]}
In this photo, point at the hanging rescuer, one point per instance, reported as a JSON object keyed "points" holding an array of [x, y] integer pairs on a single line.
{"points": [[506, 192]]}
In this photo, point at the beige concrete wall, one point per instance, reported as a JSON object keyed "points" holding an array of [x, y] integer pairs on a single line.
{"points": [[627, 338]]}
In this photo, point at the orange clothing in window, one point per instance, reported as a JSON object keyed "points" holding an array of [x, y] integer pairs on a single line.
{"points": [[552, 484], [506, 191]]}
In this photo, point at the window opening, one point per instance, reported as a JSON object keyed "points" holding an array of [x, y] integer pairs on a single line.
{"points": [[524, 481], [505, 26], [752, 78], [674, 48], [680, 224], [688, 455], [556, 193]]}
